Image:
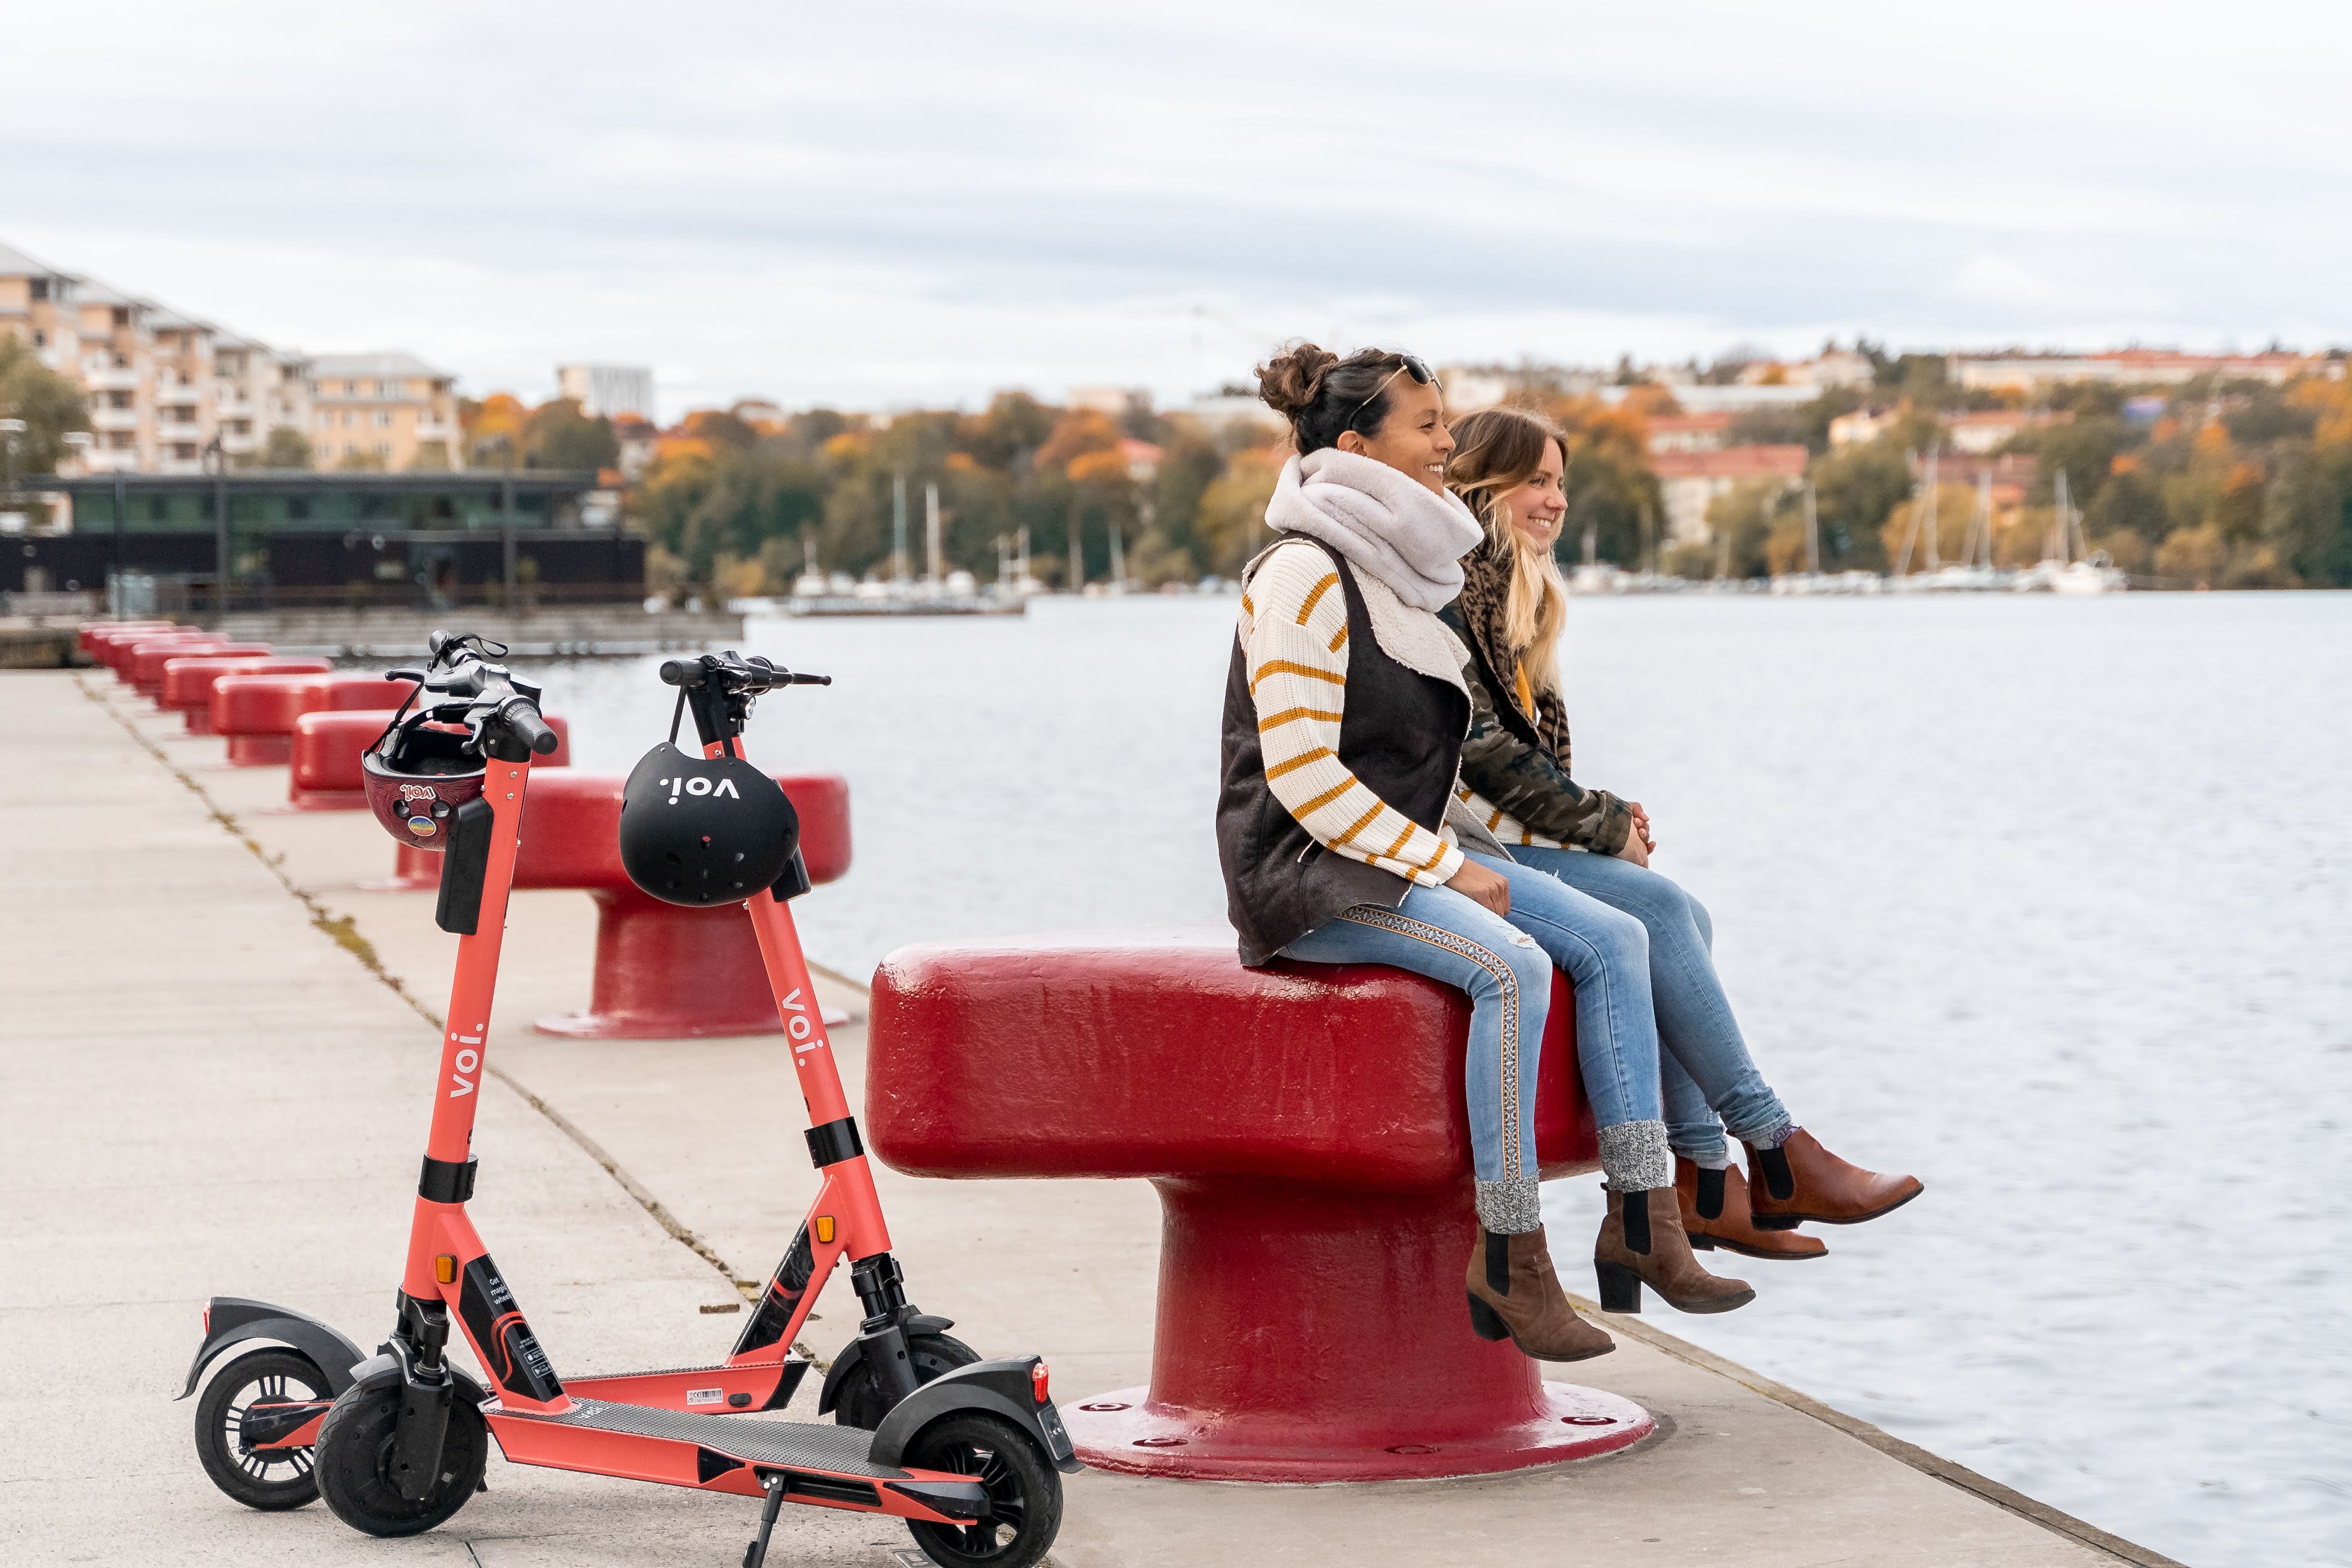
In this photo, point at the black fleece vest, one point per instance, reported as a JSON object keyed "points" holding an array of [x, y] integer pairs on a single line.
{"points": [[1400, 734]]}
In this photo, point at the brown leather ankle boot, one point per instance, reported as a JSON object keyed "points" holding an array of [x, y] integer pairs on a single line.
{"points": [[1802, 1181], [1514, 1291], [1642, 1242], [1715, 1213]]}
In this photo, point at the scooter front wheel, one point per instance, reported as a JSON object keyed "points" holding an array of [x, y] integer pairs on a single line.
{"points": [[271, 1479], [355, 1455], [1024, 1494]]}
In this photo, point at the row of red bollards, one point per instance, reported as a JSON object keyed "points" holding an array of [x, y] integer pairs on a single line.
{"points": [[662, 971]]}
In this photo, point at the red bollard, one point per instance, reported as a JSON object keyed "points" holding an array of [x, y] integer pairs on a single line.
{"points": [[140, 666], [256, 713], [663, 972], [1306, 1130], [188, 681], [111, 645], [91, 636], [148, 670], [329, 744]]}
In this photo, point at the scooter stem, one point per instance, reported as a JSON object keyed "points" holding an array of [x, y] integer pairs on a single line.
{"points": [[464, 1040]]}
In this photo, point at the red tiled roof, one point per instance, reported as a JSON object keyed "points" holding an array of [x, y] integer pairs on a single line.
{"points": [[1731, 463], [1672, 424]]}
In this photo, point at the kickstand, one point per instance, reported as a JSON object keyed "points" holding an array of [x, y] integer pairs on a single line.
{"points": [[757, 1552]]}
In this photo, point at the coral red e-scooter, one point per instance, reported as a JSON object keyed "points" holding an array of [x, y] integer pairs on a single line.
{"points": [[964, 1450]]}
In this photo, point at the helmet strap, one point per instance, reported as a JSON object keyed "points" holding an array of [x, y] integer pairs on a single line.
{"points": [[398, 714]]}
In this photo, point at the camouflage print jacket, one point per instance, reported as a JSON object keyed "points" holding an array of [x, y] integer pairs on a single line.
{"points": [[1515, 763]]}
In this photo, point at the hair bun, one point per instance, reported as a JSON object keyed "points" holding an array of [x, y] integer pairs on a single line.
{"points": [[1290, 381]]}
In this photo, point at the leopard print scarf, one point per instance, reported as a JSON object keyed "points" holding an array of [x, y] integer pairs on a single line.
{"points": [[1485, 593]]}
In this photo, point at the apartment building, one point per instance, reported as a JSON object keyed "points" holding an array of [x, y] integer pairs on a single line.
{"points": [[381, 410], [1690, 481], [162, 388], [1688, 432], [168, 392], [607, 389], [2035, 373]]}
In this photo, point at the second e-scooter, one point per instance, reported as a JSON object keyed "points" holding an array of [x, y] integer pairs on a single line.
{"points": [[396, 1443]]}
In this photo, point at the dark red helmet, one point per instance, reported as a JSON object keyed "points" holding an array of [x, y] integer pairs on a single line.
{"points": [[418, 774]]}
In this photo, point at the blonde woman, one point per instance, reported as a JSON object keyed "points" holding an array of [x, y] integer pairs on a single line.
{"points": [[1507, 466]]}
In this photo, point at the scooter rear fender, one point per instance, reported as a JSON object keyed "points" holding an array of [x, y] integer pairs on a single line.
{"points": [[998, 1387], [234, 1320]]}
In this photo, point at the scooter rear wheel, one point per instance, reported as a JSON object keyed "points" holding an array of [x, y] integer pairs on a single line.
{"points": [[1022, 1487], [276, 1479], [354, 1457]]}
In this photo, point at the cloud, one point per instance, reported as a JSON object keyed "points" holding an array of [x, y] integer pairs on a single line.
{"points": [[842, 203]]}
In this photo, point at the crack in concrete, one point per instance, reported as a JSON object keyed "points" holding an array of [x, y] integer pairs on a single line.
{"points": [[344, 931]]}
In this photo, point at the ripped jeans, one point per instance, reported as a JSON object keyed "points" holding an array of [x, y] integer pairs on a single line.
{"points": [[1506, 967], [1706, 1078]]}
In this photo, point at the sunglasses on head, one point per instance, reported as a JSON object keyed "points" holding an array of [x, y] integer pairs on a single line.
{"points": [[1412, 365]]}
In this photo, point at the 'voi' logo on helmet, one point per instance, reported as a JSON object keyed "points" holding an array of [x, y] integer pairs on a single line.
{"points": [[723, 790]]}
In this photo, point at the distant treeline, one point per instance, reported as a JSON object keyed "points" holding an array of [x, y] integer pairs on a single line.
{"points": [[2239, 485], [2234, 484]]}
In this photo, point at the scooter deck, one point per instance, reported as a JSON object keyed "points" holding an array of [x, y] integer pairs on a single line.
{"points": [[800, 1445], [808, 1463]]}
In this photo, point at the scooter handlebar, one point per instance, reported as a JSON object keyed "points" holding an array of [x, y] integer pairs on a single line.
{"points": [[522, 720], [732, 672]]}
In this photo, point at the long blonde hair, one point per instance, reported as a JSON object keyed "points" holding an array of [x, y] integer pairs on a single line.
{"points": [[1496, 451]]}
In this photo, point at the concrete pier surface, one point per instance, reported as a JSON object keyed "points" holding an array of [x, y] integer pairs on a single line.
{"points": [[212, 1049]]}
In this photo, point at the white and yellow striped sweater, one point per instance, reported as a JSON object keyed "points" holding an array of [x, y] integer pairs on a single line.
{"points": [[1293, 633]]}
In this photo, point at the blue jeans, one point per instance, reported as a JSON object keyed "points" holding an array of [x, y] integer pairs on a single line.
{"points": [[1506, 967], [1708, 1080]]}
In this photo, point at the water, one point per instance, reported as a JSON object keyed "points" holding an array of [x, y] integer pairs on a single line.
{"points": [[2042, 899]]}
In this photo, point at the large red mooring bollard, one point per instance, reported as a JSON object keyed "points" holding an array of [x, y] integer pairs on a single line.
{"points": [[256, 713], [188, 681], [1306, 1130], [662, 971], [325, 774]]}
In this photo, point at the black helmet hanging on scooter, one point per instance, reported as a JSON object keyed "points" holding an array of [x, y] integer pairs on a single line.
{"points": [[701, 831]]}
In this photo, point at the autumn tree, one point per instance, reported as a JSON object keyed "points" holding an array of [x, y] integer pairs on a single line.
{"points": [[47, 402], [284, 447], [557, 435], [1610, 488]]}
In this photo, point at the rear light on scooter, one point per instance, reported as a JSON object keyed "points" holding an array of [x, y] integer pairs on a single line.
{"points": [[208, 1320], [1037, 1381]]}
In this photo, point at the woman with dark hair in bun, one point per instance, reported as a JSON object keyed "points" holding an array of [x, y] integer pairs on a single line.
{"points": [[1342, 839]]}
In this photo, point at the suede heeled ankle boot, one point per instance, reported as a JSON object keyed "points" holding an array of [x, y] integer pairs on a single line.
{"points": [[1514, 1291], [1642, 1242], [1802, 1181], [1715, 1213]]}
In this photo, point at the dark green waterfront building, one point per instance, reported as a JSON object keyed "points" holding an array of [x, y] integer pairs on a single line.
{"points": [[289, 538]]}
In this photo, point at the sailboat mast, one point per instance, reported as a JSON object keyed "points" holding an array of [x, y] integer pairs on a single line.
{"points": [[1813, 533], [933, 566], [1982, 520], [898, 528], [1933, 561]]}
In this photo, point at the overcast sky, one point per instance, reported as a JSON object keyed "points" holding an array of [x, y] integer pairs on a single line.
{"points": [[918, 203]]}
